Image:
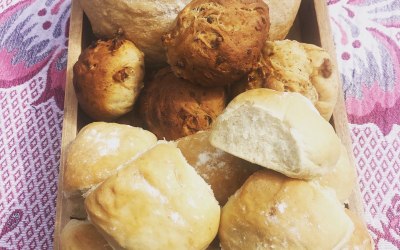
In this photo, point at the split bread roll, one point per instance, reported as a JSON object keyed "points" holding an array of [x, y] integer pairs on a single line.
{"points": [[278, 130], [224, 172], [341, 178], [143, 22], [81, 235], [272, 211], [156, 202]]}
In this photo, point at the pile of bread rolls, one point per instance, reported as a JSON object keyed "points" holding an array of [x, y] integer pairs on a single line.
{"points": [[234, 150]]}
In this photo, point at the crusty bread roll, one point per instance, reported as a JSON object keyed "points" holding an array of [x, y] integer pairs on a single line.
{"points": [[81, 235], [99, 150], [277, 130], [360, 239], [157, 202], [224, 172], [341, 178], [272, 211], [282, 14], [296, 67], [108, 78], [215, 43], [143, 22], [173, 108]]}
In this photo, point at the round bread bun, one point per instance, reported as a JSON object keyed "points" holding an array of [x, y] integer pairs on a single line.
{"points": [[215, 43], [99, 150], [108, 78], [295, 67], [173, 108], [143, 22], [272, 211], [224, 172], [80, 235], [157, 202], [360, 238], [282, 14], [281, 131], [341, 178]]}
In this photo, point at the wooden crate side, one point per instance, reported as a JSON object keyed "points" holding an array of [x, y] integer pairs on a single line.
{"points": [[69, 129], [340, 120]]}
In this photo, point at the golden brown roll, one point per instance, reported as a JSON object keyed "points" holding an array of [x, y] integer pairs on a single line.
{"points": [[81, 235], [98, 151], [282, 14], [108, 78], [173, 108], [157, 202], [224, 172], [272, 211], [360, 238], [215, 43], [341, 178], [295, 67], [143, 22]]}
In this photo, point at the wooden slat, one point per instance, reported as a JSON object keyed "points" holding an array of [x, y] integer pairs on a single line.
{"points": [[340, 120], [70, 113]]}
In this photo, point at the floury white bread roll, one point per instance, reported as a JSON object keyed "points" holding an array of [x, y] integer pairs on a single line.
{"points": [[143, 22], [360, 239], [224, 172], [81, 235], [156, 202], [97, 152], [341, 178], [272, 211], [277, 130]]}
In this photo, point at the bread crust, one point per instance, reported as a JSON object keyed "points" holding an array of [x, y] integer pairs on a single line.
{"points": [[215, 43]]}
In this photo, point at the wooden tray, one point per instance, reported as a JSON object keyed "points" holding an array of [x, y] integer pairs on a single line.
{"points": [[311, 26]]}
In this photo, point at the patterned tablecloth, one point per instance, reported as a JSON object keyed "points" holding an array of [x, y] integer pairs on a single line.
{"points": [[33, 56]]}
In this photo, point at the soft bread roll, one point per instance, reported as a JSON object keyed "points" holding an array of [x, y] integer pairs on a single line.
{"points": [[157, 202], [295, 67], [108, 78], [282, 14], [173, 107], [81, 235], [341, 178], [272, 211], [143, 22], [360, 239], [278, 130], [224, 172], [215, 43], [99, 150]]}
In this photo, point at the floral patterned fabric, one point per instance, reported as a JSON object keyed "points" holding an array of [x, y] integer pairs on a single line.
{"points": [[33, 56]]}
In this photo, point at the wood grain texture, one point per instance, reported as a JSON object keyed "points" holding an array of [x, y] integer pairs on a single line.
{"points": [[70, 114], [340, 120], [311, 26]]}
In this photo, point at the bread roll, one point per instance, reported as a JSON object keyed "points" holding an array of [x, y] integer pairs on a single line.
{"points": [[157, 202], [360, 238], [224, 172], [143, 22], [81, 235], [108, 78], [99, 150], [341, 178], [282, 14], [272, 211], [215, 43], [173, 108], [277, 130], [295, 67]]}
